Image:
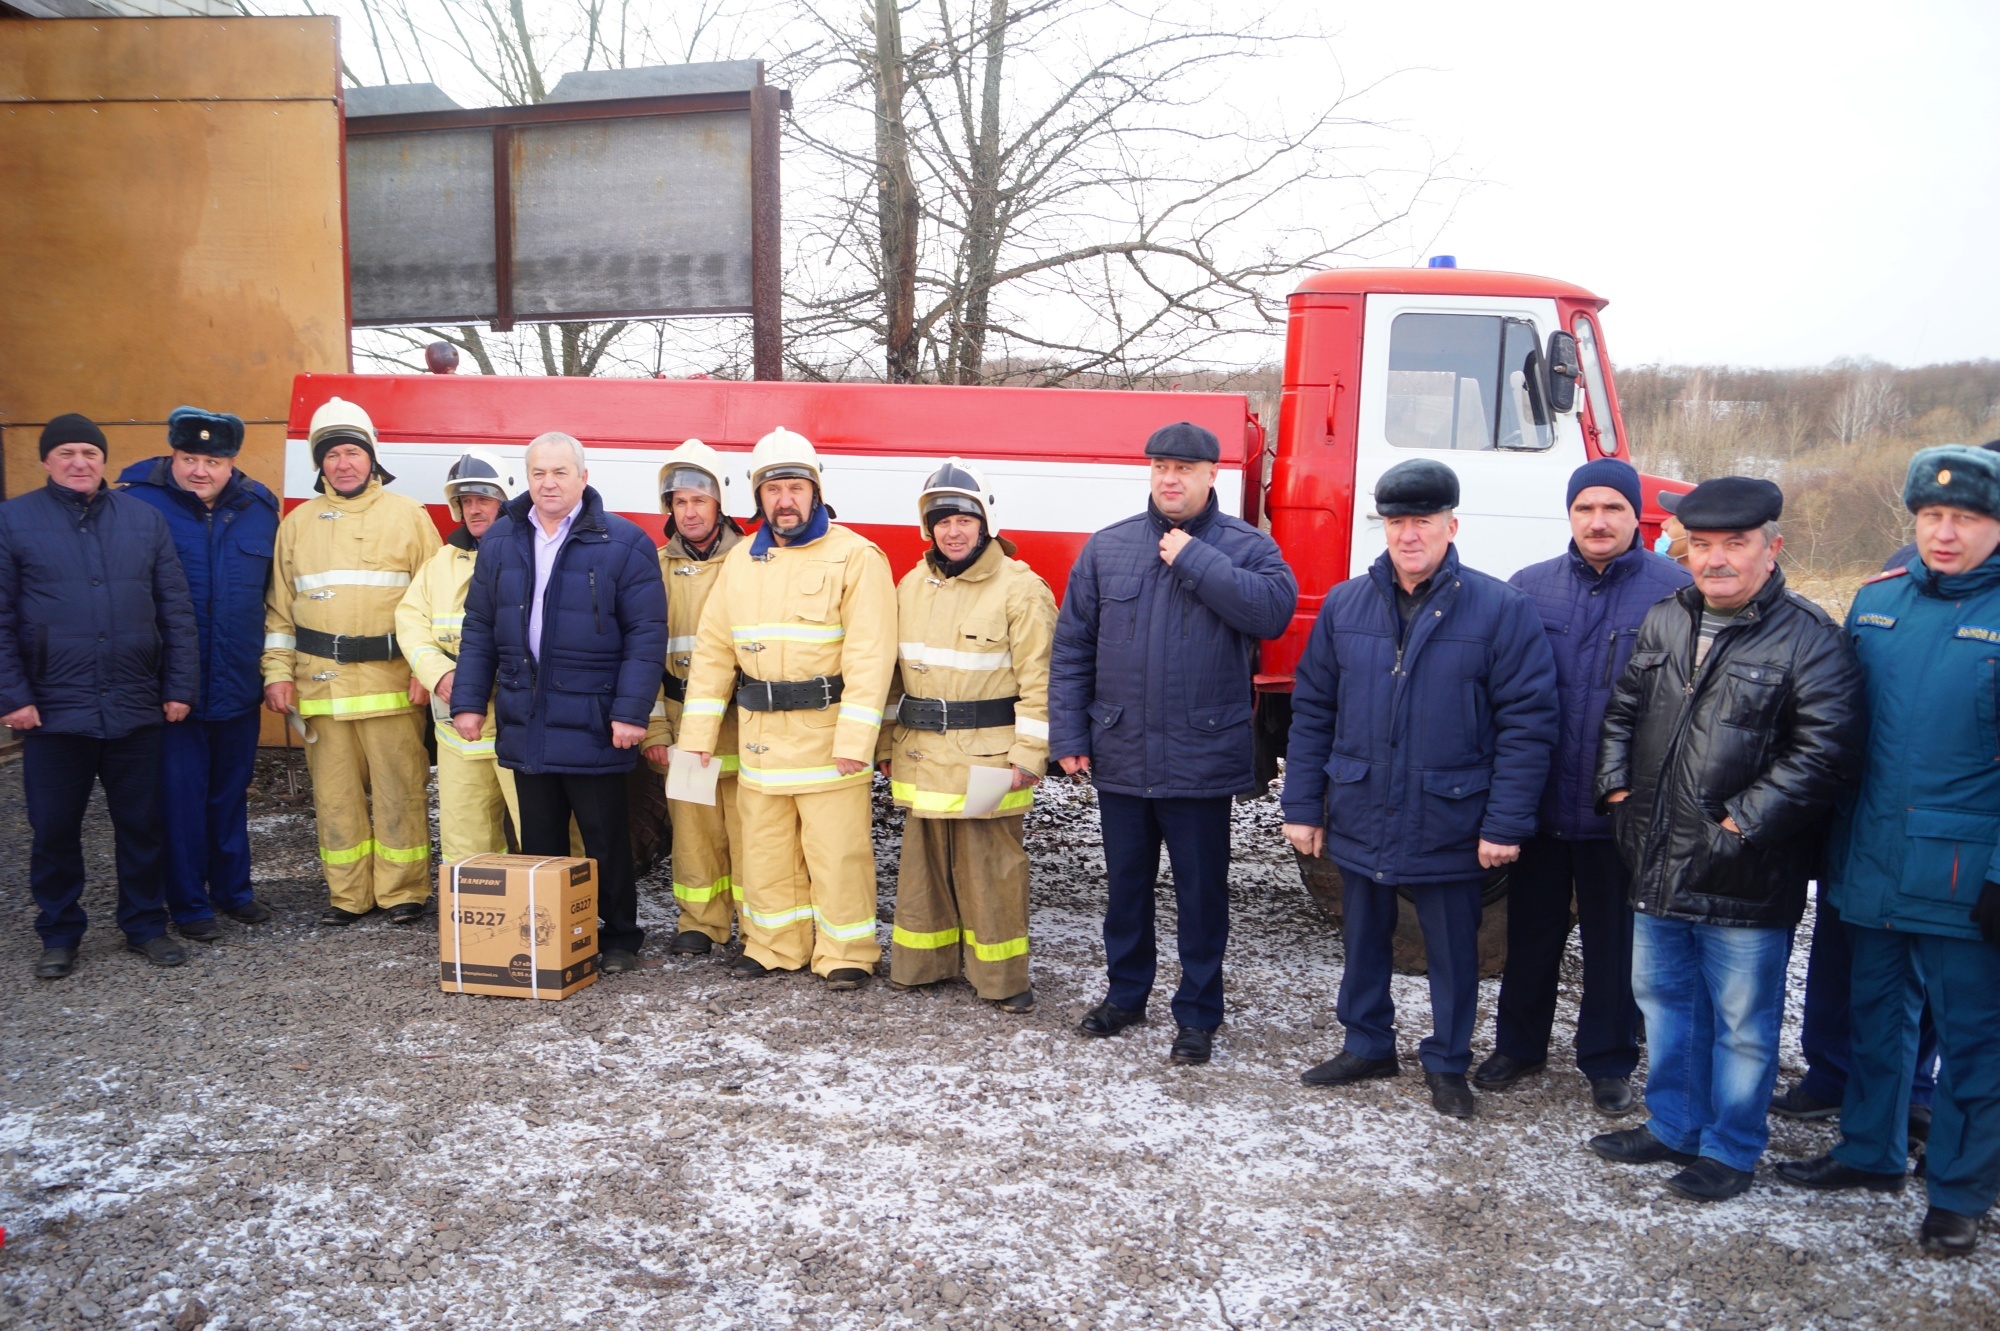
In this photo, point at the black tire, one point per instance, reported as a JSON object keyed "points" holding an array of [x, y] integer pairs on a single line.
{"points": [[1322, 881]]}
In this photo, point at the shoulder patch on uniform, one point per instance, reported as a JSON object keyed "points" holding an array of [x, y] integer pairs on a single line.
{"points": [[1875, 621], [1977, 633], [1887, 574]]}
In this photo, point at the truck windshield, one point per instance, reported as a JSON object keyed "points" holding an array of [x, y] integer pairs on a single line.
{"points": [[1465, 381]]}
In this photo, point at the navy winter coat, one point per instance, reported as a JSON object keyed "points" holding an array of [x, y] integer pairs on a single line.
{"points": [[225, 553], [96, 630], [1411, 751], [1150, 675], [603, 648], [1592, 619]]}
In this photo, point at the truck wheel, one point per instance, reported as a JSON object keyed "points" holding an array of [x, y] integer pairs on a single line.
{"points": [[1322, 881]]}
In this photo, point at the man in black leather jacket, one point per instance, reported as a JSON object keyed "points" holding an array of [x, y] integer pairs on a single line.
{"points": [[1732, 731]]}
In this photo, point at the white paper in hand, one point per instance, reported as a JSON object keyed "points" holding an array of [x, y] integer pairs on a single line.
{"points": [[690, 782], [985, 787]]}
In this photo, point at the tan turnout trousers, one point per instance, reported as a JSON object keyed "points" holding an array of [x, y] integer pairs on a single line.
{"points": [[962, 900], [374, 825], [705, 882], [808, 879]]}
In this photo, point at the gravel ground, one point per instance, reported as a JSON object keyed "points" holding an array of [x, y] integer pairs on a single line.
{"points": [[299, 1130]]}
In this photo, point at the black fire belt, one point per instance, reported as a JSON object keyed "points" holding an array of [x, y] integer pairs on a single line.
{"points": [[347, 648], [674, 686], [788, 695], [943, 714]]}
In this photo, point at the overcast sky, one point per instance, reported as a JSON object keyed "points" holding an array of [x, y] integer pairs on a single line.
{"points": [[1754, 182]]}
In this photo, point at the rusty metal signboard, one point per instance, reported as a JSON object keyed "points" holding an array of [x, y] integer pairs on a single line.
{"points": [[590, 206]]}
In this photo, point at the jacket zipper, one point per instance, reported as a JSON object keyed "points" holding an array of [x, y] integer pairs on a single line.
{"points": [[1695, 678], [1610, 656], [596, 624]]}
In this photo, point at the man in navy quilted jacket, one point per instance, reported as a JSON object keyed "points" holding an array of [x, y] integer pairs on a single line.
{"points": [[1150, 697], [1422, 720], [1591, 599]]}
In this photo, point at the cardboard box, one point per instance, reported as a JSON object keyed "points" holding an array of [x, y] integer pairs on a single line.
{"points": [[517, 926]]}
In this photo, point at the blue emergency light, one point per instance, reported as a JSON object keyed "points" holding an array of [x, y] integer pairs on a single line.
{"points": [[1444, 261]]}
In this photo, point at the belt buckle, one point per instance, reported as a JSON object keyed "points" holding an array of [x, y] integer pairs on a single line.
{"points": [[826, 692], [338, 659], [944, 715], [770, 696]]}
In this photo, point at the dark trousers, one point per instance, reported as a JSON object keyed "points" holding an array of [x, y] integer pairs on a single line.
{"points": [[1196, 835], [1449, 915], [548, 801], [1538, 895], [1827, 1030], [205, 770], [57, 772], [1895, 976]]}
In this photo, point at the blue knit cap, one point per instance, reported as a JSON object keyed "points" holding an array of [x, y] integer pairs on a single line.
{"points": [[1619, 475]]}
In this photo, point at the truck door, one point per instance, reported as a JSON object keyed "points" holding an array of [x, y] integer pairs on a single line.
{"points": [[1459, 379]]}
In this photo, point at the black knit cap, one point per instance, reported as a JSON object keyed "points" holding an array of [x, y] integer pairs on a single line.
{"points": [[1730, 503], [1186, 441], [1416, 488], [70, 428]]}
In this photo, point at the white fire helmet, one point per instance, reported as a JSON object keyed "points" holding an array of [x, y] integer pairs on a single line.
{"points": [[780, 454], [478, 472], [955, 487], [344, 420], [694, 466]]}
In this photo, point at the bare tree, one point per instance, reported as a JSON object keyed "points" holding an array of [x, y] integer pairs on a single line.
{"points": [[1087, 205]]}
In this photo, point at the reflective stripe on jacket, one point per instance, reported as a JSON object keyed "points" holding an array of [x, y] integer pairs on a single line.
{"points": [[986, 633], [430, 621], [825, 607], [225, 553], [342, 566], [689, 581]]}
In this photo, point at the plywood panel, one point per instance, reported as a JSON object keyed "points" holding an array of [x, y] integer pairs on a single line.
{"points": [[168, 59]]}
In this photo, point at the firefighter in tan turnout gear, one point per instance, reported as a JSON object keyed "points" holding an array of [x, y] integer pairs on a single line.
{"points": [[800, 633], [976, 627], [707, 837], [473, 789], [330, 656]]}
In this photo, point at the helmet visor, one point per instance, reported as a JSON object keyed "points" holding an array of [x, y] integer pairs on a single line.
{"points": [[690, 478], [463, 489], [939, 507]]}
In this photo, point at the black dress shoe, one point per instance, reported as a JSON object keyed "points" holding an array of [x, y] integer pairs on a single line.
{"points": [[56, 963], [1920, 1124], [205, 930], [1796, 1104], [335, 917], [1191, 1045], [1708, 1180], [1020, 1004], [1612, 1096], [1450, 1095], [847, 978], [1348, 1066], [1637, 1146], [1499, 1072], [161, 951], [1107, 1018], [618, 959], [1829, 1175], [1948, 1233], [407, 913], [254, 913], [691, 943]]}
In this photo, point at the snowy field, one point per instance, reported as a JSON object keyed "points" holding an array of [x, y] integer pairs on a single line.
{"points": [[298, 1130]]}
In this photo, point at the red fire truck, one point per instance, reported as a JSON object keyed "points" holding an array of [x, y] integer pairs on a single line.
{"points": [[1504, 377]]}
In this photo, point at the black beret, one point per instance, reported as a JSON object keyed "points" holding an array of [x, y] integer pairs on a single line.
{"points": [[1956, 476], [1730, 503], [1186, 441], [70, 428], [215, 433], [1414, 488]]}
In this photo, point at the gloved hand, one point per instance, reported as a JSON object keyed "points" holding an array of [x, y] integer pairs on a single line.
{"points": [[1986, 912]]}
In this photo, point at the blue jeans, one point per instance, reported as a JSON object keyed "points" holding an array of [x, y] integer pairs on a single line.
{"points": [[1714, 999], [205, 770]]}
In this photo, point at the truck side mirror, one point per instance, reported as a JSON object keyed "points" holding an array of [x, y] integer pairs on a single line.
{"points": [[1564, 369]]}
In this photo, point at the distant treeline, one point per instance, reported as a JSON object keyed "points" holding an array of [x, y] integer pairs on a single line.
{"points": [[1838, 439]]}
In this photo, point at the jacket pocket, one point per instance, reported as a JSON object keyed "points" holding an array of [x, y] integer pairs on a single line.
{"points": [[1949, 854], [1118, 609], [1721, 866], [815, 593], [1106, 714], [1218, 720], [1350, 801], [580, 699], [1454, 805], [1752, 695]]}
